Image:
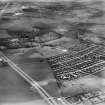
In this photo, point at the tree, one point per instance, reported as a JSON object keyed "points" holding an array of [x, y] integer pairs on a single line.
{"points": [[43, 27], [98, 14], [56, 7], [76, 5]]}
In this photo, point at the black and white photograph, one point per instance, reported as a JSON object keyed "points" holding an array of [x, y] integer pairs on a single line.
{"points": [[52, 52]]}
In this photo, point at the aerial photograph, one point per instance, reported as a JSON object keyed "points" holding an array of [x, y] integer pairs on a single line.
{"points": [[52, 52]]}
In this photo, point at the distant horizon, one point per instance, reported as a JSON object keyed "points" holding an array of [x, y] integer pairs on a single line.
{"points": [[50, 0]]}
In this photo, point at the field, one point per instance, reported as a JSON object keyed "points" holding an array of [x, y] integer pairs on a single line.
{"points": [[75, 22]]}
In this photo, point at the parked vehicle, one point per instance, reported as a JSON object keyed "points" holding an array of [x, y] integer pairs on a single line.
{"points": [[3, 62]]}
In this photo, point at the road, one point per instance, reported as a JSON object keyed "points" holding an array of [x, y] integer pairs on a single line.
{"points": [[31, 67], [35, 86], [32, 82]]}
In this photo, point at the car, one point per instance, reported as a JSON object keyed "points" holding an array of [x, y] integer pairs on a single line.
{"points": [[3, 62]]}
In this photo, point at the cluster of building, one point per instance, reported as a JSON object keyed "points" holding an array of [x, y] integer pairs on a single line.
{"points": [[80, 61], [96, 97], [20, 38]]}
